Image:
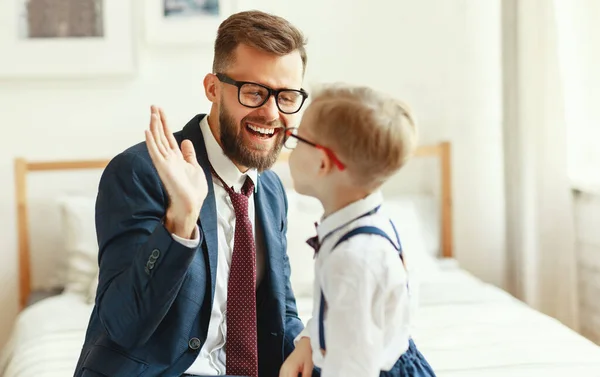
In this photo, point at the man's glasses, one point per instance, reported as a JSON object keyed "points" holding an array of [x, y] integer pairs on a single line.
{"points": [[291, 138], [253, 95]]}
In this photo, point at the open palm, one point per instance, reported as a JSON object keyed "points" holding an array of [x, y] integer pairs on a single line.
{"points": [[178, 169]]}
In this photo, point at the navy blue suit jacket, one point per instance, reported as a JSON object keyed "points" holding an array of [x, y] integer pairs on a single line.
{"points": [[154, 295]]}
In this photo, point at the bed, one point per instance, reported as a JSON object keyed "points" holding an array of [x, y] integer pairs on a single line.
{"points": [[464, 326]]}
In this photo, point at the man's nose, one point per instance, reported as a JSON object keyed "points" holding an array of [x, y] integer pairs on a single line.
{"points": [[269, 110]]}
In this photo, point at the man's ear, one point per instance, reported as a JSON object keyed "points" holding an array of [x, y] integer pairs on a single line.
{"points": [[211, 88]]}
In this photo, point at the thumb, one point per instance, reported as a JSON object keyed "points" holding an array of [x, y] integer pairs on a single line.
{"points": [[188, 152]]}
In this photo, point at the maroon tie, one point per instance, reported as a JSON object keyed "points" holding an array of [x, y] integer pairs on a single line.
{"points": [[241, 343]]}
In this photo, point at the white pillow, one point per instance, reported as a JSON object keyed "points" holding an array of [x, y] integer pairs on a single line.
{"points": [[415, 235], [427, 208], [91, 293], [80, 242], [303, 212]]}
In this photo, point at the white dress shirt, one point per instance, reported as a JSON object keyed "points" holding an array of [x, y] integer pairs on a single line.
{"points": [[367, 299], [211, 360]]}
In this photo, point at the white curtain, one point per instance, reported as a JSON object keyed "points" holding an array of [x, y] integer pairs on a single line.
{"points": [[540, 227], [578, 23]]}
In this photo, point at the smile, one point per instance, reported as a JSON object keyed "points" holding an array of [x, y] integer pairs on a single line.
{"points": [[261, 132]]}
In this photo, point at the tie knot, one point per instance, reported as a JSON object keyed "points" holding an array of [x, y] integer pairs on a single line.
{"points": [[239, 200], [248, 187], [246, 190]]}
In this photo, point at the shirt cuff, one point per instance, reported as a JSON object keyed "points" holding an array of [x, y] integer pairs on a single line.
{"points": [[303, 334], [190, 243]]}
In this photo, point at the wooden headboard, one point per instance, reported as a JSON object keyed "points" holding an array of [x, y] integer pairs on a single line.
{"points": [[23, 167]]}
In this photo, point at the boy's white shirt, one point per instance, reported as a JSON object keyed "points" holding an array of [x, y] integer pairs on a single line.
{"points": [[367, 324]]}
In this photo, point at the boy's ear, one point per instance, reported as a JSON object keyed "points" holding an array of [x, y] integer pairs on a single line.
{"points": [[326, 163]]}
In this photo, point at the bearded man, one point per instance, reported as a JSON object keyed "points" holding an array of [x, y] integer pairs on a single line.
{"points": [[194, 276]]}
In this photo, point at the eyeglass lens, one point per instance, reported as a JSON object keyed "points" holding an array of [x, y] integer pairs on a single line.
{"points": [[290, 142], [252, 95]]}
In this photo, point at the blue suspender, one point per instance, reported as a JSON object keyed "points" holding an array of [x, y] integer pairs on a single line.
{"points": [[359, 230]]}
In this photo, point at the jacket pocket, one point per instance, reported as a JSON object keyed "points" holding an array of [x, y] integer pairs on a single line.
{"points": [[104, 361]]}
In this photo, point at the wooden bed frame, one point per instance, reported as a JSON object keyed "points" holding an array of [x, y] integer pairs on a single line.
{"points": [[441, 151]]}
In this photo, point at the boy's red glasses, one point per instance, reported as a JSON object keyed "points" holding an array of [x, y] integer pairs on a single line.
{"points": [[291, 138]]}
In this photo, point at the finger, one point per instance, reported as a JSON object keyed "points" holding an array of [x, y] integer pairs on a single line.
{"points": [[163, 136], [168, 132], [285, 372], [155, 128], [155, 154], [153, 148], [307, 371], [161, 130], [189, 154]]}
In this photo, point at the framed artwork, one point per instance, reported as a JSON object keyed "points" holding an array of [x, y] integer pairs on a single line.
{"points": [[65, 38], [185, 22]]}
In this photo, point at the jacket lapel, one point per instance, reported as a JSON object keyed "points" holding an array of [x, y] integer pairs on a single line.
{"points": [[208, 213], [269, 215]]}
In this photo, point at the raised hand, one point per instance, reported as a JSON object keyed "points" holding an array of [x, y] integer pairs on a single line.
{"points": [[179, 172]]}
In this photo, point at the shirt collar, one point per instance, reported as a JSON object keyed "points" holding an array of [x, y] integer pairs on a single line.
{"points": [[348, 213], [223, 166]]}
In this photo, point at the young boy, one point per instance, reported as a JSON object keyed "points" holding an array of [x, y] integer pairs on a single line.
{"points": [[350, 141]]}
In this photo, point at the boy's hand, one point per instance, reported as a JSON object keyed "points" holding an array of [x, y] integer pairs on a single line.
{"points": [[299, 363]]}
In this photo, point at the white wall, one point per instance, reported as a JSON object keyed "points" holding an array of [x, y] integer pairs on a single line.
{"points": [[442, 57]]}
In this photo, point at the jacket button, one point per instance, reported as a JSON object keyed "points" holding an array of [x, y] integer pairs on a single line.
{"points": [[194, 343], [155, 254]]}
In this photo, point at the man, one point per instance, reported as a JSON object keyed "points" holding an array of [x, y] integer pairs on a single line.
{"points": [[194, 277]]}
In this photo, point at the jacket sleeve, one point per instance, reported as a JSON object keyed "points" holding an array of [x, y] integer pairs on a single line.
{"points": [[293, 324], [142, 267]]}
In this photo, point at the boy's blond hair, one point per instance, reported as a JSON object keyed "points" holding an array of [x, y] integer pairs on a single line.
{"points": [[371, 132]]}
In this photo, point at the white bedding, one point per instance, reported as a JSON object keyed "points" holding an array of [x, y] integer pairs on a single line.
{"points": [[465, 328], [47, 338]]}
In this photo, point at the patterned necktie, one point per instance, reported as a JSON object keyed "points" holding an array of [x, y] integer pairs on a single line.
{"points": [[241, 341]]}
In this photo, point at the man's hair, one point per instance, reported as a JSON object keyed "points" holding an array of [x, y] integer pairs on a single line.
{"points": [[371, 132], [259, 30]]}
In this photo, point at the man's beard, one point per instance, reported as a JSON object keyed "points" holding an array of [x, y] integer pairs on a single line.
{"points": [[234, 147]]}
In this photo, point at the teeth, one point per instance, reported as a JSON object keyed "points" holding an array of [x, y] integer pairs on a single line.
{"points": [[264, 131]]}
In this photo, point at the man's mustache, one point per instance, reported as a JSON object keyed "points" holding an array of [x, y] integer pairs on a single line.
{"points": [[262, 120]]}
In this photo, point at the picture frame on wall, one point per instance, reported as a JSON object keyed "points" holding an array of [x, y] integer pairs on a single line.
{"points": [[42, 39], [185, 22]]}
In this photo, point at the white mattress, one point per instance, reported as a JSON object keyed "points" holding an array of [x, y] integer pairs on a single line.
{"points": [[465, 328], [468, 328], [47, 338]]}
